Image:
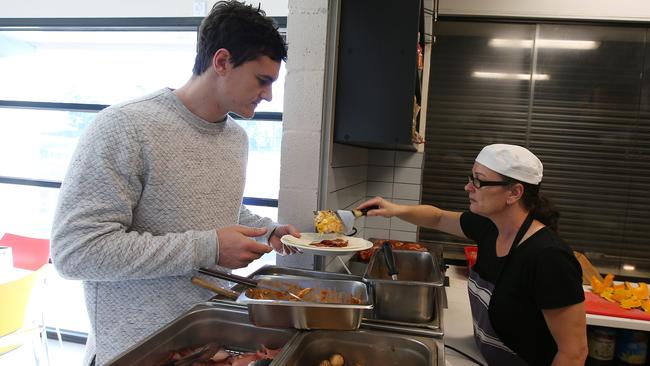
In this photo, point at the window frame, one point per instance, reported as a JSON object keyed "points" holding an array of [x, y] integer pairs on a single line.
{"points": [[111, 24]]}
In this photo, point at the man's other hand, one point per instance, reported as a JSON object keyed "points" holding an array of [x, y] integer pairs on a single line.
{"points": [[279, 232]]}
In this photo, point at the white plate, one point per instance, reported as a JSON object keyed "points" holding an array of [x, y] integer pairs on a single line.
{"points": [[302, 243]]}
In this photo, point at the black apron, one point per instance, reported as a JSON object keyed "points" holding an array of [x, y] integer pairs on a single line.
{"points": [[480, 292]]}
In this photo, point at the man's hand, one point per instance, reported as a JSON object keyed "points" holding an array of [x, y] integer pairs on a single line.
{"points": [[237, 249], [280, 231]]}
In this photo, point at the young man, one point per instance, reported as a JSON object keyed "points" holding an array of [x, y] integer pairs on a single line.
{"points": [[155, 187]]}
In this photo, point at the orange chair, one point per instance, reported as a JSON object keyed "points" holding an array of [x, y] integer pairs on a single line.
{"points": [[28, 253]]}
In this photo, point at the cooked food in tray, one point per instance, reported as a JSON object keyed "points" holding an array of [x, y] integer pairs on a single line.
{"points": [[334, 243], [337, 359], [214, 354], [327, 222], [323, 296], [395, 245]]}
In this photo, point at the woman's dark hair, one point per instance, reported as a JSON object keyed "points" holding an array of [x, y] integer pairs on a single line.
{"points": [[244, 31], [540, 205]]}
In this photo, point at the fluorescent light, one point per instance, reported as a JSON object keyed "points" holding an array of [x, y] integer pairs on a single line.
{"points": [[508, 76], [510, 43], [628, 267], [544, 43]]}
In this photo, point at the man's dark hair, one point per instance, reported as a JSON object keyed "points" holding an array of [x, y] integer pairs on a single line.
{"points": [[244, 31]]}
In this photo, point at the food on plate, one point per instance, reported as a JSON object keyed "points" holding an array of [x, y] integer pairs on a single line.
{"points": [[327, 222], [333, 243], [323, 296], [627, 294], [365, 255], [336, 359], [213, 354]]}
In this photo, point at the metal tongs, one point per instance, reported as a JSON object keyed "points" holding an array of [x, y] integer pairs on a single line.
{"points": [[246, 281]]}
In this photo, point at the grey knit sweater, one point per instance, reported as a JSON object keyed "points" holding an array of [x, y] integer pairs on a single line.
{"points": [[138, 210]]}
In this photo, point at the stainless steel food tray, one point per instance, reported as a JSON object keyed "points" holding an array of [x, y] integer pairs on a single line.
{"points": [[368, 347], [205, 323], [411, 298], [431, 328], [308, 314]]}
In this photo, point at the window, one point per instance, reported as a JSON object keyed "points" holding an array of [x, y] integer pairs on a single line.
{"points": [[575, 94], [58, 73]]}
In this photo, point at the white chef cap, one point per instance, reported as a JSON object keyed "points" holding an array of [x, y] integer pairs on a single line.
{"points": [[512, 161]]}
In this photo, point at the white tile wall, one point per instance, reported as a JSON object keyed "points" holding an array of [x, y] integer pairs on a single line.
{"points": [[403, 235], [377, 222], [381, 173], [396, 176], [382, 189], [345, 155], [408, 175], [409, 159], [407, 191], [381, 157], [343, 177], [356, 174]]}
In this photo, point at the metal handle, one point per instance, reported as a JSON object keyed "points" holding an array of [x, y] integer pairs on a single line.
{"points": [[214, 288], [390, 259], [228, 277]]}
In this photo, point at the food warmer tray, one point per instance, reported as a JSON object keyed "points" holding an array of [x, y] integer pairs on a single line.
{"points": [[366, 346], [338, 312], [431, 328], [207, 322]]}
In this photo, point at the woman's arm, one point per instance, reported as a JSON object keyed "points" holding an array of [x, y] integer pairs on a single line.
{"points": [[420, 215], [568, 325]]}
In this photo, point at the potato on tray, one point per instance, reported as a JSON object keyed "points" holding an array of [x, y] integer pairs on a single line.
{"points": [[627, 294]]}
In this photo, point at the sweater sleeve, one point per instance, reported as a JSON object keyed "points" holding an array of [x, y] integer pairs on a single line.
{"points": [[91, 239], [247, 218]]}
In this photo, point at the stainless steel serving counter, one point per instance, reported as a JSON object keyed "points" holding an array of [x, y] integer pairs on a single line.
{"points": [[376, 342]]}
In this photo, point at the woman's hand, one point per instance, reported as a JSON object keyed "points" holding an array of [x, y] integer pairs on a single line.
{"points": [[420, 215], [386, 208]]}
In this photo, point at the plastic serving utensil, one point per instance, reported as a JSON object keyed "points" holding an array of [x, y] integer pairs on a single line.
{"points": [[347, 218]]}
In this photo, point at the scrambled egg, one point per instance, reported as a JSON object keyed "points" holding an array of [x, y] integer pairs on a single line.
{"points": [[327, 222]]}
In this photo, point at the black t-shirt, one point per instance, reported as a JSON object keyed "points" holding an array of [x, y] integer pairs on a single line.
{"points": [[541, 273]]}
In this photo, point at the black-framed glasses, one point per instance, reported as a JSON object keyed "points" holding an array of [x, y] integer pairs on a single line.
{"points": [[477, 183]]}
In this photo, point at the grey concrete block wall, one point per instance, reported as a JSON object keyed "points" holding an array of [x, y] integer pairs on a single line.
{"points": [[303, 119]]}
